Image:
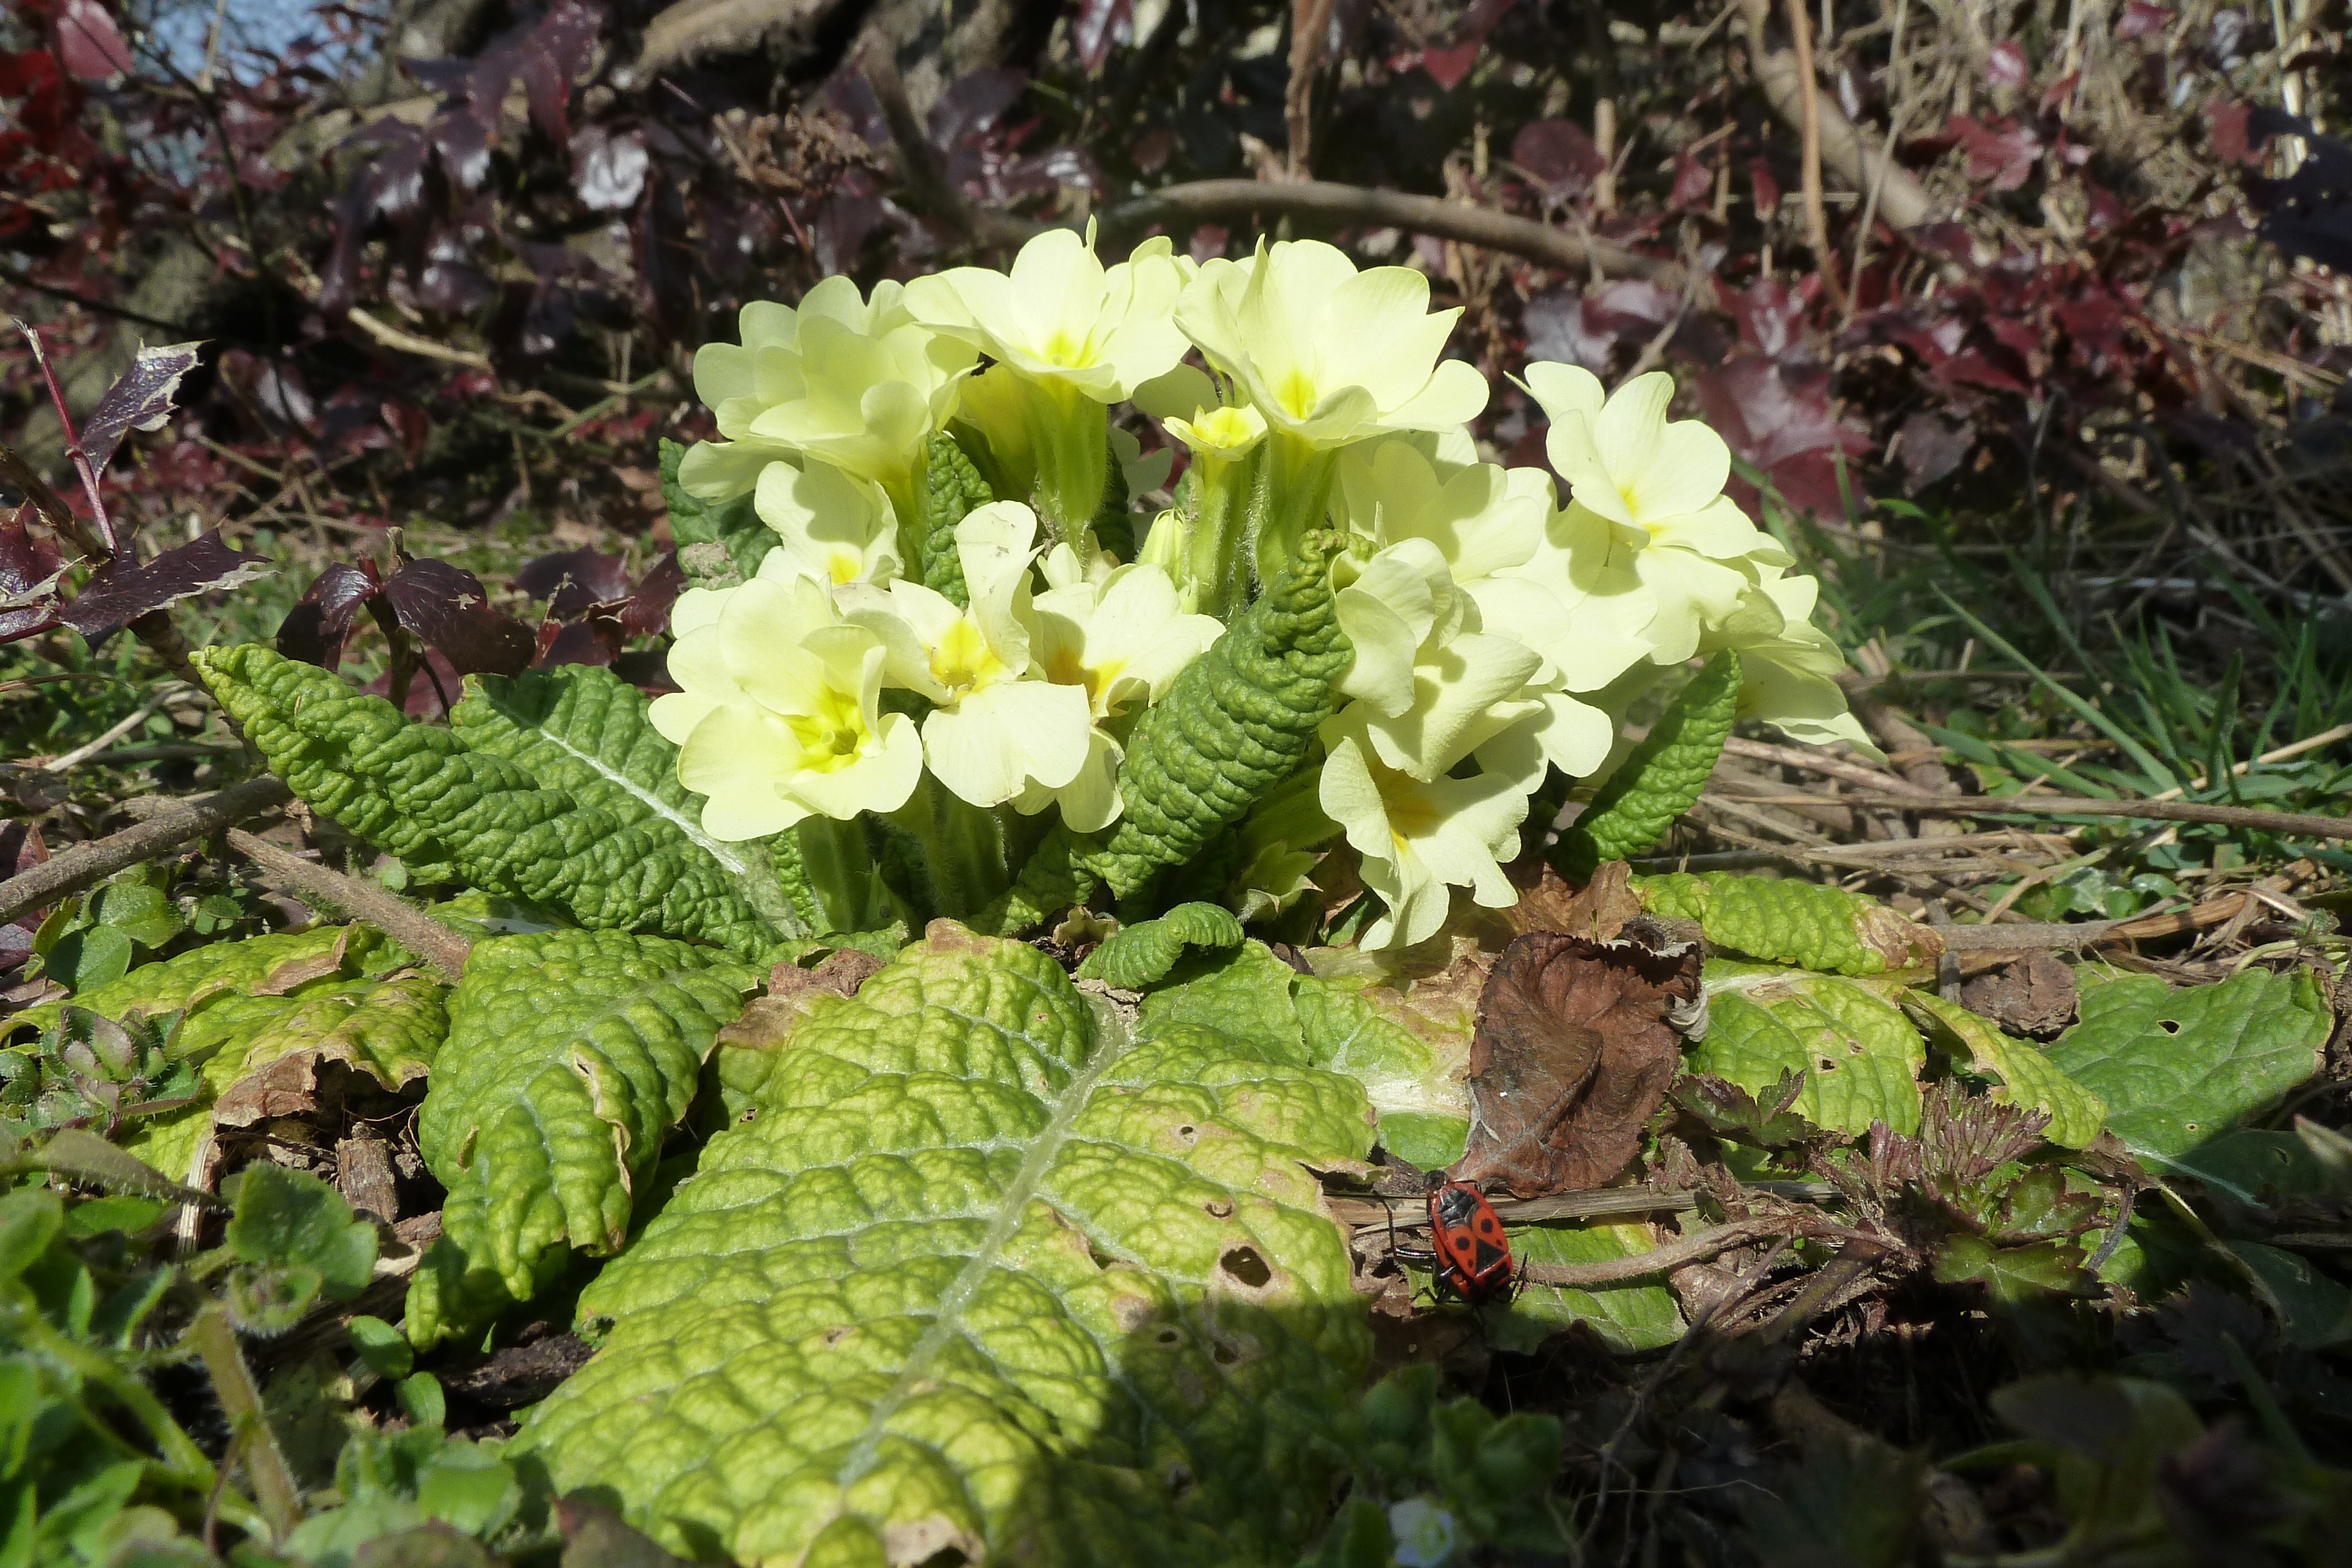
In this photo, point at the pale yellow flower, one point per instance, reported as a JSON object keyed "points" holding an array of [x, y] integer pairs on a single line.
{"points": [[1327, 354], [1653, 488], [1418, 838], [1789, 665], [1061, 315], [835, 527], [993, 730], [1121, 638], [779, 714], [852, 382]]}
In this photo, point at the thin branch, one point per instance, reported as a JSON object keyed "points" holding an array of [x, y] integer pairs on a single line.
{"points": [[88, 864], [927, 178], [1901, 198], [1821, 762], [2295, 824], [391, 337], [315, 884], [1695, 1248], [1809, 128], [1320, 201]]}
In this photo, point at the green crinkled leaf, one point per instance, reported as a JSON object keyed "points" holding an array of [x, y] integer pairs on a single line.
{"points": [[950, 489], [1232, 725], [391, 1030], [1141, 954], [1245, 993], [2028, 1078], [456, 814], [1664, 773], [1054, 876], [1629, 1317], [588, 733], [2177, 1067], [1859, 1056], [733, 526], [570, 1055], [985, 1274], [1413, 1078], [223, 966], [1802, 924]]}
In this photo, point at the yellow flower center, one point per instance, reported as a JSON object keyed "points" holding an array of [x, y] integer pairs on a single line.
{"points": [[1065, 667], [1412, 815], [1064, 349], [832, 737], [1296, 394], [964, 663]]}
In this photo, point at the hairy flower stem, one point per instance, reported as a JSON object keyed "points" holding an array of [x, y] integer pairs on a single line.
{"points": [[958, 851], [1291, 494], [1222, 493], [841, 873], [1069, 435]]}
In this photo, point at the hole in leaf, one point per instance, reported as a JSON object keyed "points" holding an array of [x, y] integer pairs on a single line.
{"points": [[1244, 1264], [750, 1113], [1853, 1047], [1225, 1354], [1828, 1064], [1169, 1336], [1189, 1132], [1219, 1208], [834, 1336], [2169, 1026]]}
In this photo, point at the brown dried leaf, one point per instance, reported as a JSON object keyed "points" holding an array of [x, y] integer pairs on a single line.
{"points": [[1601, 910], [298, 971], [2032, 995], [1574, 1049]]}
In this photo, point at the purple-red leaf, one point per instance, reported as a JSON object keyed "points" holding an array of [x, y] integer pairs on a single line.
{"points": [[2002, 153], [572, 581], [29, 570], [89, 46], [1449, 63], [2141, 19], [575, 644], [316, 630], [1558, 156], [121, 594], [445, 607], [646, 612], [140, 400], [2005, 66]]}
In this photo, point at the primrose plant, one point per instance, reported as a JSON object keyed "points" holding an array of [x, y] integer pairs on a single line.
{"points": [[1346, 623], [973, 1258]]}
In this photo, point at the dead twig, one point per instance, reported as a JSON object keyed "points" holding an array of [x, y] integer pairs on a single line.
{"points": [[436, 944], [1809, 128], [1695, 1248], [1179, 207], [1824, 763], [2296, 824], [85, 865]]}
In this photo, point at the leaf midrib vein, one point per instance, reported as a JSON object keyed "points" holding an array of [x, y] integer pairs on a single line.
{"points": [[1114, 1042]]}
